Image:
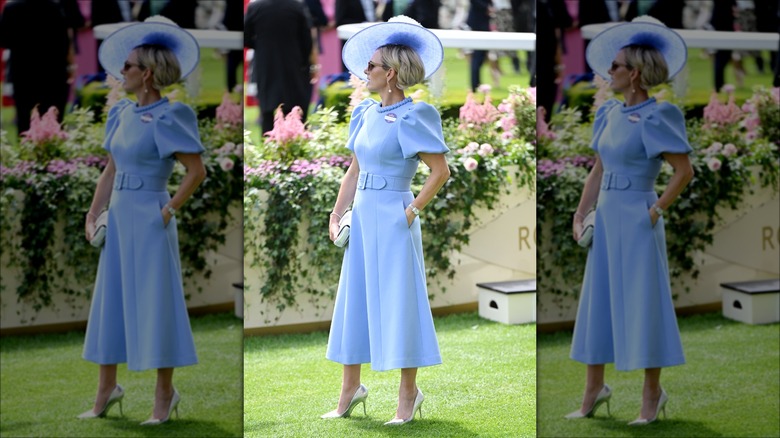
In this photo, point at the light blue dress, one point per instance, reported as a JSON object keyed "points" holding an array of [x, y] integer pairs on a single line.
{"points": [[138, 313], [626, 314], [382, 314]]}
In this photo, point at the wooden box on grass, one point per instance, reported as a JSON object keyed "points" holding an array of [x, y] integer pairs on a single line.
{"points": [[510, 302], [752, 302]]}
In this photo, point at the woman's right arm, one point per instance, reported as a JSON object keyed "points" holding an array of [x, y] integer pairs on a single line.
{"points": [[345, 197], [100, 198], [590, 193]]}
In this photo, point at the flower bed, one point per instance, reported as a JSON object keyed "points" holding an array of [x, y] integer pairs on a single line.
{"points": [[292, 181], [735, 152], [48, 181]]}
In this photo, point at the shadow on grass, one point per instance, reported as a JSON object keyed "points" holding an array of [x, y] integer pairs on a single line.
{"points": [[665, 428], [178, 428]]}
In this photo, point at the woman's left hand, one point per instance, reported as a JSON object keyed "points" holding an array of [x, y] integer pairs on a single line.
{"points": [[166, 216], [653, 216], [409, 216]]}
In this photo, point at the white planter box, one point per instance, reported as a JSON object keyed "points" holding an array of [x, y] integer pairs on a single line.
{"points": [[752, 302], [510, 302]]}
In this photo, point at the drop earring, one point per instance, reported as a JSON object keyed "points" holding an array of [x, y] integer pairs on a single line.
{"points": [[389, 88]]}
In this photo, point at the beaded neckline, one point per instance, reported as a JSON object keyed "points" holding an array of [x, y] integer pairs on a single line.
{"points": [[139, 109], [626, 109], [384, 109]]}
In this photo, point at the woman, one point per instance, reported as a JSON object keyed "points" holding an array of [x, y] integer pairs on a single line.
{"points": [[625, 313], [382, 314], [138, 313]]}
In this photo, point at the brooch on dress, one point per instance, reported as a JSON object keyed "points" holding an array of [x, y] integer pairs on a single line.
{"points": [[634, 117], [390, 118], [147, 117]]}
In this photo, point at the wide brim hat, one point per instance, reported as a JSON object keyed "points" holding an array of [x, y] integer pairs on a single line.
{"points": [[398, 30], [642, 30], [116, 47]]}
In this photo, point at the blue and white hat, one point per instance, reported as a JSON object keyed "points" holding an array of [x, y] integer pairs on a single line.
{"points": [[398, 30], [154, 30], [643, 30]]}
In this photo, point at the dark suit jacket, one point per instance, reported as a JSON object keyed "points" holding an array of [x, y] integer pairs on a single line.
{"points": [[478, 18], [349, 11], [280, 34], [34, 61]]}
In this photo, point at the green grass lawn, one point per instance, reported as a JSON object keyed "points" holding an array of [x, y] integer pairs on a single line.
{"points": [[485, 387], [730, 386], [46, 384]]}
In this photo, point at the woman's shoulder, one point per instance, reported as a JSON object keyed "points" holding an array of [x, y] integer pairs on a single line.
{"points": [[177, 110], [665, 111], [422, 110]]}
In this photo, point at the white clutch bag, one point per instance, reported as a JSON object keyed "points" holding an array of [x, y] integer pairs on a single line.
{"points": [[100, 230], [586, 238], [345, 223]]}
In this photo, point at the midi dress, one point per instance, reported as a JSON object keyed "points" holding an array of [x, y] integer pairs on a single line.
{"points": [[382, 314], [626, 314], [138, 313]]}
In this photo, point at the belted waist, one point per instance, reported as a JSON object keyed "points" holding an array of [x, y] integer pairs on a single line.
{"points": [[381, 182], [127, 181], [614, 181]]}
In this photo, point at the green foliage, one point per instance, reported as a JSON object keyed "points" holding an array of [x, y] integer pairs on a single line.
{"points": [[293, 179], [727, 152], [47, 190]]}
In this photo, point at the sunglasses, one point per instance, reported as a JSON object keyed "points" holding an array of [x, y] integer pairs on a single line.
{"points": [[616, 65], [129, 65], [371, 66]]}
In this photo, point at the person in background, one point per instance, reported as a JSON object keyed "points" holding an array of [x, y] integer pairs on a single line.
{"points": [[42, 60], [279, 31]]}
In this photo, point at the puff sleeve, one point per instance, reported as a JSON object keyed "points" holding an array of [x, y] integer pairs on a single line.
{"points": [[176, 130], [663, 130], [600, 121], [420, 131], [356, 121], [112, 121]]}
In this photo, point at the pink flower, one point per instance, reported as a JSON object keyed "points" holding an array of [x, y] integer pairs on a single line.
{"points": [[478, 114], [226, 164], [472, 147], [470, 164], [729, 150], [542, 130], [485, 149], [728, 88], [714, 148], [714, 164], [46, 128], [720, 114], [288, 128], [229, 113]]}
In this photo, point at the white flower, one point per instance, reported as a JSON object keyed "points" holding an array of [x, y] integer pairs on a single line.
{"points": [[470, 164], [226, 164], [729, 150], [714, 164], [485, 149]]}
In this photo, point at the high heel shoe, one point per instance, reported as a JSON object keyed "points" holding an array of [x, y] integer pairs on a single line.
{"points": [[361, 394], [662, 399], [417, 408], [116, 397], [174, 406], [603, 397]]}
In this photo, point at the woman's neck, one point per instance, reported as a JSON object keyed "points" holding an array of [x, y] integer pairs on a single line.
{"points": [[391, 98], [148, 98], [635, 98]]}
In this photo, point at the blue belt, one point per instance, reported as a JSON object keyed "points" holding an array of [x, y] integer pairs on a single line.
{"points": [[127, 181], [380, 182], [614, 181]]}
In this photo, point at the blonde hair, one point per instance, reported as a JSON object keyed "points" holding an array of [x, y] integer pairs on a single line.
{"points": [[163, 63], [405, 61], [650, 63]]}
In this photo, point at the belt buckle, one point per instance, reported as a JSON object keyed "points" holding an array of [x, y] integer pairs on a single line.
{"points": [[362, 180], [118, 180]]}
